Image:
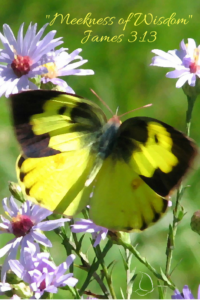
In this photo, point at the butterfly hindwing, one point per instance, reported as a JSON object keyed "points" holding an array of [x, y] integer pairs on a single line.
{"points": [[53, 183], [121, 200]]}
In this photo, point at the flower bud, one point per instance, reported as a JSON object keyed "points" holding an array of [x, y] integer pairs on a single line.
{"points": [[119, 237], [195, 222], [16, 191]]}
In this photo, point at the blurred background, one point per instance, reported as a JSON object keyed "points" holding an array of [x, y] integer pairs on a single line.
{"points": [[122, 78]]}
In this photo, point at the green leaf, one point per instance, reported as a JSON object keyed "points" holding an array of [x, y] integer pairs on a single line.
{"points": [[133, 275], [80, 242], [114, 263], [47, 86], [110, 264], [124, 261], [181, 213], [36, 80], [165, 279], [93, 268], [121, 291]]}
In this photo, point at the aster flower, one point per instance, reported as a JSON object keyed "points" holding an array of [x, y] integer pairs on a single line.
{"points": [[186, 293], [62, 66], [186, 62], [23, 57], [26, 225], [41, 274], [83, 225]]}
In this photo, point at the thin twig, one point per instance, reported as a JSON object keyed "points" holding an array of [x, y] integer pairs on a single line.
{"points": [[86, 265], [105, 270], [147, 264]]}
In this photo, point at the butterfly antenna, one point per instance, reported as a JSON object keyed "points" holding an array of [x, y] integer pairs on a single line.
{"points": [[104, 103], [117, 110], [148, 105]]}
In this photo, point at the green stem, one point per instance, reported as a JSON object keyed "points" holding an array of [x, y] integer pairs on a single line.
{"points": [[171, 238], [173, 228], [76, 248], [106, 273], [191, 101], [94, 267], [147, 264], [128, 275]]}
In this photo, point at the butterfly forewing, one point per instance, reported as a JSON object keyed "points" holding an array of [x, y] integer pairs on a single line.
{"points": [[56, 132], [49, 122], [159, 153]]}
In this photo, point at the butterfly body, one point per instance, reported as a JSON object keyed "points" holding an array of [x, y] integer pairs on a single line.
{"points": [[70, 151], [107, 139]]}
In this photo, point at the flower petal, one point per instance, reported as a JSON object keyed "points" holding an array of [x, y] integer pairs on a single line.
{"points": [[41, 238], [182, 80], [50, 225], [11, 255], [6, 248], [17, 268], [187, 293], [39, 213]]}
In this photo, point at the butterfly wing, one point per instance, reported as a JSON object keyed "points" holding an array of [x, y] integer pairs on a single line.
{"points": [[121, 200], [56, 132], [148, 161], [159, 153]]}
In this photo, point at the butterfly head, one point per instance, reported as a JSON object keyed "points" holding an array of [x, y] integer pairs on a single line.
{"points": [[115, 120]]}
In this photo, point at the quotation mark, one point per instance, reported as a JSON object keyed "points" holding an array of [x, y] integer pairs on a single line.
{"points": [[190, 16], [47, 16]]}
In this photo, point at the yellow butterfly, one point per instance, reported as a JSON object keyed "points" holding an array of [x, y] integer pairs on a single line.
{"points": [[73, 156]]}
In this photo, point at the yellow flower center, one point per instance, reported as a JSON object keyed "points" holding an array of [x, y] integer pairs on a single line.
{"points": [[52, 70]]}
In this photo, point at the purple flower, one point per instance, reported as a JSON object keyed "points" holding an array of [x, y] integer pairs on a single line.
{"points": [[24, 57], [186, 293], [186, 62], [41, 274], [62, 66], [26, 225], [83, 225]]}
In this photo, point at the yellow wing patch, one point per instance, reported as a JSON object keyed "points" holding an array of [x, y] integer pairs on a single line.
{"points": [[59, 112], [53, 180], [154, 153]]}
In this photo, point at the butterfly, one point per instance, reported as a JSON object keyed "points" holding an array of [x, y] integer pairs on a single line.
{"points": [[72, 156]]}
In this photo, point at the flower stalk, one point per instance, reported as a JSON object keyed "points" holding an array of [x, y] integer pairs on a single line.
{"points": [[177, 215]]}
